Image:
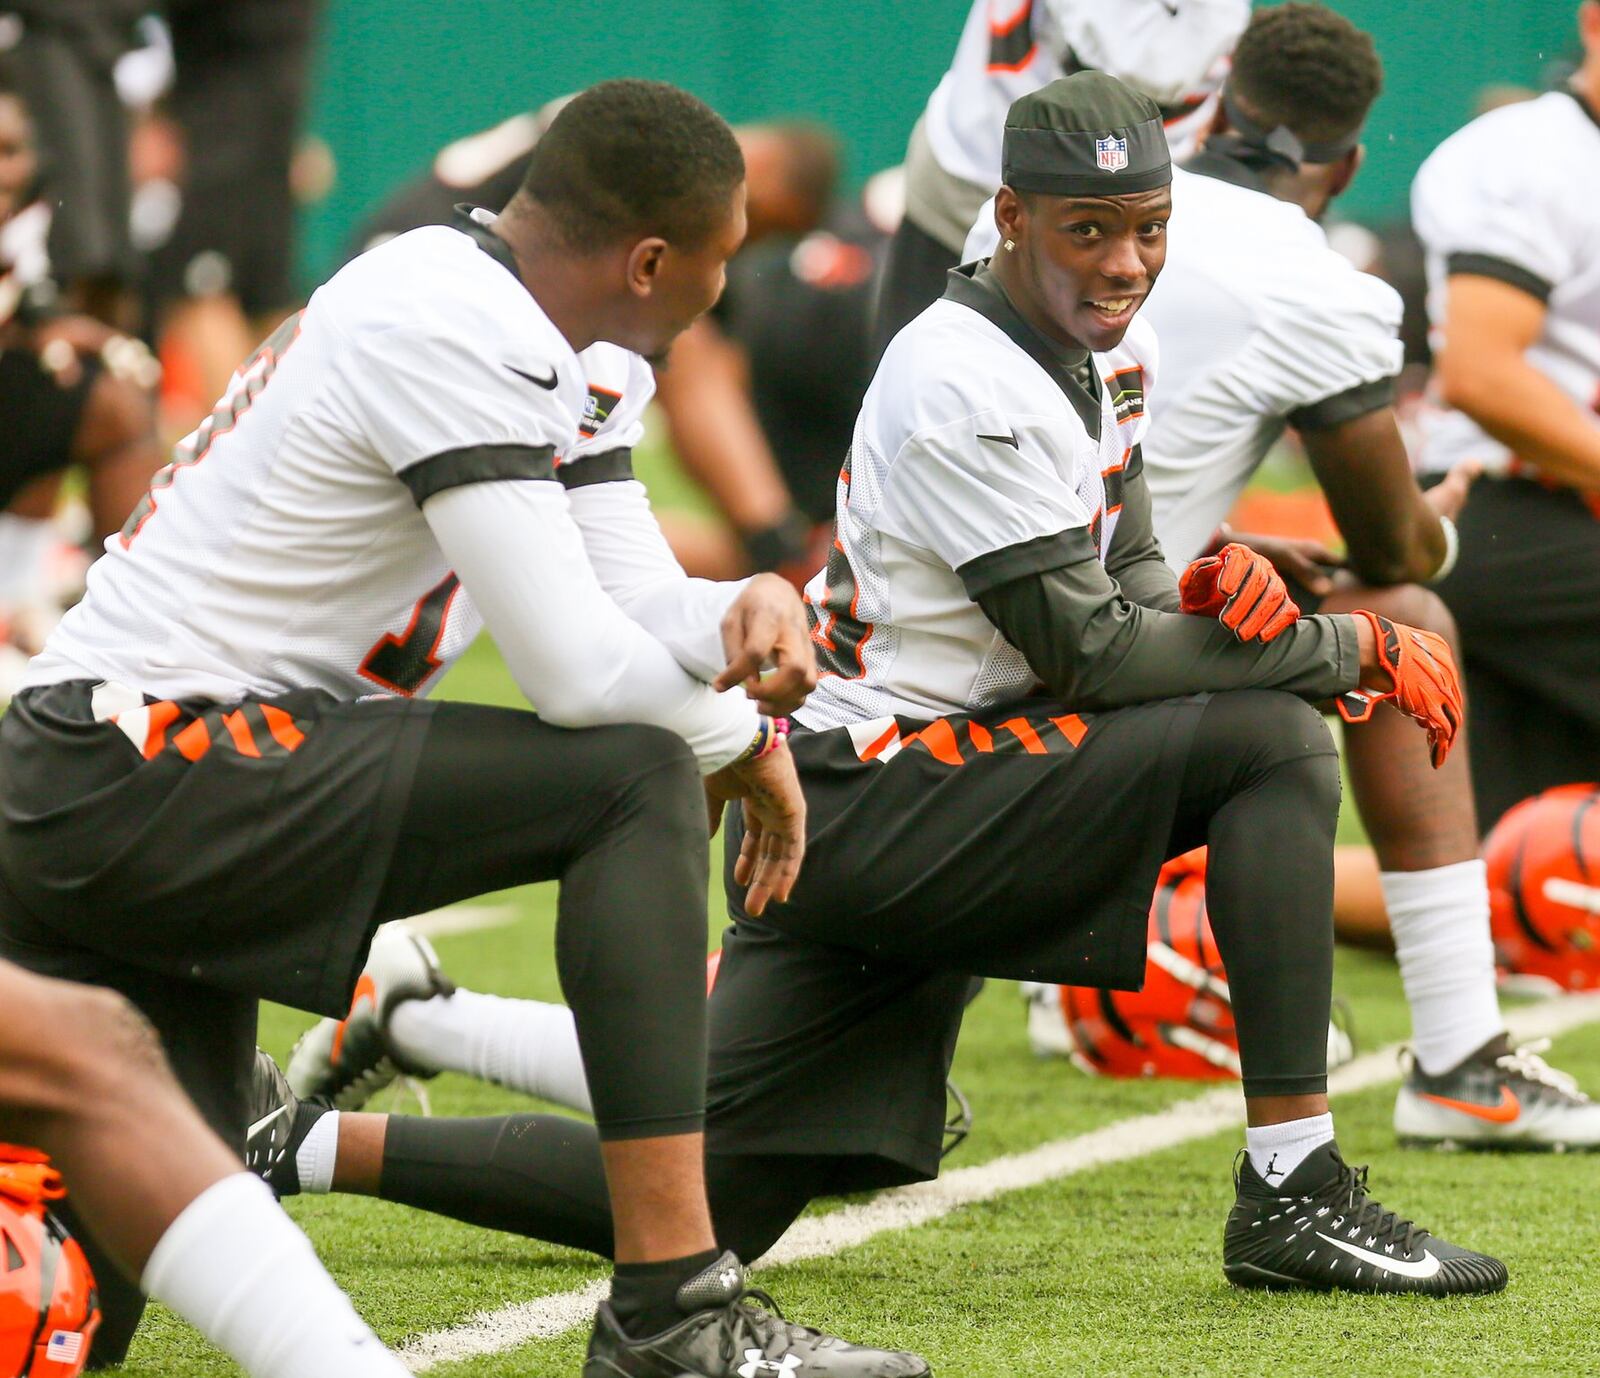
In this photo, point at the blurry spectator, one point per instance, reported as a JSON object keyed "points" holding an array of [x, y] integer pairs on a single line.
{"points": [[72, 392], [61, 55], [222, 279]]}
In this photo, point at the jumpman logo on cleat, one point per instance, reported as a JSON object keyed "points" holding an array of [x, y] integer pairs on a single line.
{"points": [[1272, 1168]]}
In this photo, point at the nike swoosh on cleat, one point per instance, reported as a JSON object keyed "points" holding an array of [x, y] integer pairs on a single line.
{"points": [[1423, 1268], [264, 1121], [1504, 1113], [1007, 439], [548, 384]]}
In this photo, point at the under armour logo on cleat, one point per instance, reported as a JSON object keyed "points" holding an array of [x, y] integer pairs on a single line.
{"points": [[756, 1363]]}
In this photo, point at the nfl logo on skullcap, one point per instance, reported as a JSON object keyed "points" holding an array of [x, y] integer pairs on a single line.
{"points": [[1111, 155]]}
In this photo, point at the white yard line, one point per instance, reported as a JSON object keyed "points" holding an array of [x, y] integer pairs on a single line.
{"points": [[462, 918], [492, 1332]]}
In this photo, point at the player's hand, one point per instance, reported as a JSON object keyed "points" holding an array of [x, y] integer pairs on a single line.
{"points": [[766, 626], [774, 824], [1242, 590], [1309, 563], [1447, 497], [1415, 669]]}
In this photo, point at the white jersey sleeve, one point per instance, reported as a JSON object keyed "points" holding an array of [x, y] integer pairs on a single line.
{"points": [[626, 548], [978, 485], [1160, 47], [573, 653], [1483, 203]]}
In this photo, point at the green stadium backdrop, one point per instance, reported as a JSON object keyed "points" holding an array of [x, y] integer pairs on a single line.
{"points": [[397, 79]]}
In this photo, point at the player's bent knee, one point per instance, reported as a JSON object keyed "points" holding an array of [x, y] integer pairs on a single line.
{"points": [[1267, 724], [1413, 605], [650, 770]]}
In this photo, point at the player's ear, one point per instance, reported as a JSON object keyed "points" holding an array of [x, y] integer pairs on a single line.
{"points": [[1009, 213], [644, 265], [1345, 173]]}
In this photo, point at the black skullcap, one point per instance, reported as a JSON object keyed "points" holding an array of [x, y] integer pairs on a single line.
{"points": [[1085, 135]]}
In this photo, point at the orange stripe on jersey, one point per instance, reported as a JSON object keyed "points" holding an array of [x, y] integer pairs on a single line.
{"points": [[239, 730], [162, 716], [1022, 730], [1072, 727], [982, 739], [939, 738], [194, 741], [282, 727]]}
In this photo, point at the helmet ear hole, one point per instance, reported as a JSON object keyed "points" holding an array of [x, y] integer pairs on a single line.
{"points": [[1543, 861], [13, 1254]]}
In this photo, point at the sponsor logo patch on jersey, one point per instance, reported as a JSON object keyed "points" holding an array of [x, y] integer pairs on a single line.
{"points": [[1111, 155], [597, 409], [1127, 394]]}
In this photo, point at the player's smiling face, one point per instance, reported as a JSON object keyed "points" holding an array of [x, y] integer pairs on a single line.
{"points": [[1084, 264], [17, 162]]}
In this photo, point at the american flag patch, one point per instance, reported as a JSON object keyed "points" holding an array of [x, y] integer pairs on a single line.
{"points": [[64, 1347]]}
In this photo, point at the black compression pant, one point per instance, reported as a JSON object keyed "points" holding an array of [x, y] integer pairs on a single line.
{"points": [[618, 815]]}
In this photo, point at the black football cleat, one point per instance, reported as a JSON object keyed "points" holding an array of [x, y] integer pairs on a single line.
{"points": [[732, 1330], [279, 1123], [1319, 1229]]}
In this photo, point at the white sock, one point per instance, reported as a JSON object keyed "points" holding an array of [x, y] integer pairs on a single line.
{"points": [[318, 1151], [522, 1044], [1440, 922], [1276, 1150], [235, 1267]]}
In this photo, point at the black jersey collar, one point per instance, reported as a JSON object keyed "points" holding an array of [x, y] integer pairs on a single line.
{"points": [[1230, 160], [972, 285], [486, 239]]}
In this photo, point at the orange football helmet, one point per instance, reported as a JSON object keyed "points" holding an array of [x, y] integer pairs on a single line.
{"points": [[1543, 860], [1181, 1023], [49, 1308]]}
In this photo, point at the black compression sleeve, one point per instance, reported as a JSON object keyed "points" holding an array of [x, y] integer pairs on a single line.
{"points": [[1135, 560], [533, 1175], [1095, 649]]}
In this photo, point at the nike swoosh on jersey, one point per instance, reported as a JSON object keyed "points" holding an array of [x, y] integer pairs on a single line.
{"points": [[1508, 1109], [1422, 1268], [1007, 439], [264, 1121], [549, 384]]}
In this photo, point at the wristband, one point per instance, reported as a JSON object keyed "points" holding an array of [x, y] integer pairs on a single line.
{"points": [[1452, 550], [770, 735]]}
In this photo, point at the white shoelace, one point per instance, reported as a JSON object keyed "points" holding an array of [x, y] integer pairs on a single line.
{"points": [[1526, 1063]]}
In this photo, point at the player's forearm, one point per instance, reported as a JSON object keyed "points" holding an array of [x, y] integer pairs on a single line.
{"points": [[716, 433], [1525, 411], [1096, 650], [1135, 560], [579, 659], [636, 567]]}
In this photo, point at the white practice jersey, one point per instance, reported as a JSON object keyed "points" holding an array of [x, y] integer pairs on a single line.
{"points": [[1516, 196], [967, 449], [1261, 325], [285, 546], [24, 256], [1175, 51]]}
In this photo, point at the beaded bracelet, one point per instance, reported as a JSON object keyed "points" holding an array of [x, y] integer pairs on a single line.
{"points": [[770, 734]]}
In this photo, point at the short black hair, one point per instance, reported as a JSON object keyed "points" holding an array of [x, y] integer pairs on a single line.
{"points": [[634, 157], [1307, 68]]}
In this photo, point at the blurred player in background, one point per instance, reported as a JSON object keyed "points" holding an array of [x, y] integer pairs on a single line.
{"points": [[713, 393], [73, 392], [1172, 50], [1263, 326], [1508, 212], [82, 1078]]}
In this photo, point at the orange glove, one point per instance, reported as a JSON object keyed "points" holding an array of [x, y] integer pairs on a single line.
{"points": [[1427, 688], [1241, 590]]}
